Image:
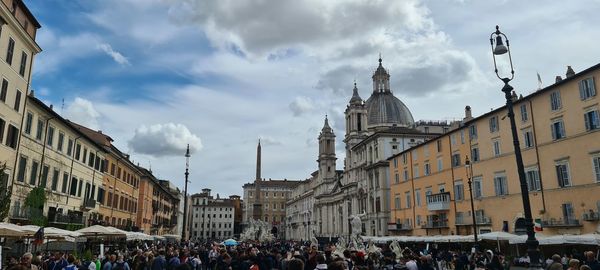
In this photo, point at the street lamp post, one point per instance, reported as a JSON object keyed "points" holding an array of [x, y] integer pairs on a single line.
{"points": [[497, 39], [187, 173], [469, 170]]}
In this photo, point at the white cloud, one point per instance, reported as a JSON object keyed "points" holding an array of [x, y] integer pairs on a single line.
{"points": [[301, 105], [168, 139], [83, 112], [117, 56]]}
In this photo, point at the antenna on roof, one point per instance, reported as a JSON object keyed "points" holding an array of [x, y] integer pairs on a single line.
{"points": [[62, 106]]}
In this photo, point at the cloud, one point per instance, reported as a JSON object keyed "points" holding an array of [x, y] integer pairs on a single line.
{"points": [[117, 56], [83, 112], [301, 105], [268, 140], [168, 139]]}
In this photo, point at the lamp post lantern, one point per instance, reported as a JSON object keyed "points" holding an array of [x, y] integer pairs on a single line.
{"points": [[469, 170], [497, 40], [185, 195]]}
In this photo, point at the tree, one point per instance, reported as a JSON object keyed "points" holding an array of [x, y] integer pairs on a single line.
{"points": [[5, 193], [35, 201]]}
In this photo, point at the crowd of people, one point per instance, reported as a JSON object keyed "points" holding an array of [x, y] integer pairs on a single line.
{"points": [[279, 256]]}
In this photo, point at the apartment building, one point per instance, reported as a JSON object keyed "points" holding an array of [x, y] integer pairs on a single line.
{"points": [[18, 29], [558, 132], [54, 154]]}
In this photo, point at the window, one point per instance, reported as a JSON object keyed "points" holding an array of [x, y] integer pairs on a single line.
{"points": [[33, 175], [70, 147], [494, 124], [79, 190], [395, 162], [528, 138], [397, 202], [427, 169], [17, 106], [405, 175], [439, 145], [65, 182], [473, 132], [22, 166], [91, 159], [23, 64], [397, 178], [477, 187], [418, 197], [408, 200], [44, 179], [587, 88], [558, 129], [4, 90], [459, 191], [10, 51], [500, 185], [427, 193], [568, 212], [416, 171], [475, 154], [404, 158], [415, 154], [50, 136], [453, 139], [555, 103], [440, 166], [596, 163], [2, 125], [84, 155], [55, 179], [562, 173], [496, 144], [462, 136], [592, 120], [456, 160], [524, 116], [40, 129], [532, 176], [28, 122], [12, 137], [61, 139]]}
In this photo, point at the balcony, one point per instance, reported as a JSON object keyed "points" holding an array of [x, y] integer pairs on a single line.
{"points": [[70, 218], [438, 202], [24, 213], [89, 204], [435, 224], [561, 223], [468, 221], [399, 227], [591, 216]]}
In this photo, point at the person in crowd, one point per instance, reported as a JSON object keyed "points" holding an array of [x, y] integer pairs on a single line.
{"points": [[26, 261], [573, 264], [71, 263], [295, 264], [590, 260], [159, 263]]}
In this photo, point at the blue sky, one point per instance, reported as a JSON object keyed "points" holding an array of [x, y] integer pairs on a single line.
{"points": [[158, 74]]}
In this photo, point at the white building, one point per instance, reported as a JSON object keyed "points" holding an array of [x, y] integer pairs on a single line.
{"points": [[212, 218], [376, 129]]}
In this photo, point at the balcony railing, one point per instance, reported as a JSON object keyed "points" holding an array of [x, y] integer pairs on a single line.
{"points": [[89, 204], [561, 222], [438, 202], [399, 227], [591, 216], [435, 224], [466, 220], [25, 213], [71, 218]]}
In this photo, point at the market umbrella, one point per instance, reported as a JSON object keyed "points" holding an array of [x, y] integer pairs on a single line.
{"points": [[498, 236], [12, 230], [230, 242], [98, 230]]}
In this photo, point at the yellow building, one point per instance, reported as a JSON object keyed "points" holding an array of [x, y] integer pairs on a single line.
{"points": [[558, 132], [54, 154], [17, 47], [120, 185]]}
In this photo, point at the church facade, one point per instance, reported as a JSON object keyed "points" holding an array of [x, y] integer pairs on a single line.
{"points": [[375, 129]]}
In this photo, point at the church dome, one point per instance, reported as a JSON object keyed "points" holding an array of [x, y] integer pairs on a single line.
{"points": [[384, 109]]}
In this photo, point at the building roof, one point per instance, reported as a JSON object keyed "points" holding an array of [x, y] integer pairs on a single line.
{"points": [[383, 108], [68, 123], [523, 99], [276, 183]]}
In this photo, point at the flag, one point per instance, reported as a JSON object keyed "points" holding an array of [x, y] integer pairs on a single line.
{"points": [[537, 225], [539, 81], [39, 236]]}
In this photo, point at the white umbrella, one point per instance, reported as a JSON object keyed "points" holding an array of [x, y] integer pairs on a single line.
{"points": [[497, 236], [584, 239], [98, 230], [11, 230]]}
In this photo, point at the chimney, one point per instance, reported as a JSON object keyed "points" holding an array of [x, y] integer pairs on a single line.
{"points": [[468, 114], [32, 93], [570, 72], [51, 107], [514, 96], [558, 79]]}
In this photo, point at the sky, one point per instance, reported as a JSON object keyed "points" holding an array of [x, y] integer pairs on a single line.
{"points": [[156, 75]]}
